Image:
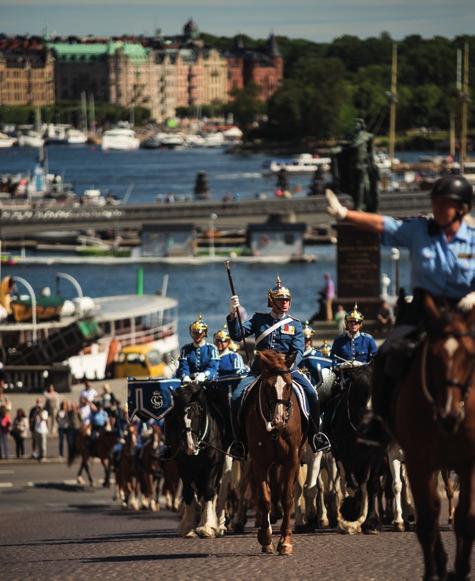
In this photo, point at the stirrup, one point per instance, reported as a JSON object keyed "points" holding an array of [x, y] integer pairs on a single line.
{"points": [[320, 442], [237, 450]]}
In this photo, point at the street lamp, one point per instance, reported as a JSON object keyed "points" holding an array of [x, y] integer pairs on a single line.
{"points": [[395, 256], [29, 288], [213, 217]]}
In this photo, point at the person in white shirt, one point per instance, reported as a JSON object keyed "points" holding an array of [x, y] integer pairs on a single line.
{"points": [[40, 434]]}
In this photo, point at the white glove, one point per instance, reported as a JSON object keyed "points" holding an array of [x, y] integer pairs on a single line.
{"points": [[335, 208], [186, 379], [200, 377], [234, 304]]}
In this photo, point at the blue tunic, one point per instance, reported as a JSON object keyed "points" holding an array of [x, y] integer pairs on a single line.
{"points": [[313, 361], [194, 359], [441, 267], [361, 348], [231, 363]]}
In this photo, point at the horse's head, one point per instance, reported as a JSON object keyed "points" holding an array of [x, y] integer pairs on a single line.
{"points": [[191, 417], [277, 387], [130, 439], [448, 371]]}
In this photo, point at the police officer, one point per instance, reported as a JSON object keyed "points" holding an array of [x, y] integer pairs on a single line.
{"points": [[353, 345], [442, 256], [279, 331], [313, 360], [198, 360], [230, 362]]}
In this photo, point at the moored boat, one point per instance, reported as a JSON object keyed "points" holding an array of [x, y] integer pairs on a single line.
{"points": [[120, 139], [305, 163]]}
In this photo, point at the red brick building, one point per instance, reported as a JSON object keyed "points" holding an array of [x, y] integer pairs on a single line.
{"points": [[263, 68]]}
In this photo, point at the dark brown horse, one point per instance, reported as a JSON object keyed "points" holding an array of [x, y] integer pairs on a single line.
{"points": [[275, 437], [434, 421], [126, 476], [148, 464], [101, 448]]}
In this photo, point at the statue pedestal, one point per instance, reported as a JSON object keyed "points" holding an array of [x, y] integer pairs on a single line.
{"points": [[358, 270]]}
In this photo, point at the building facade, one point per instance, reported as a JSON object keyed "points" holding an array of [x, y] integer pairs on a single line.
{"points": [[26, 77]]}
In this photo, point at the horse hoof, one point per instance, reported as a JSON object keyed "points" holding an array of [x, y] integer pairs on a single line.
{"points": [[371, 531], [324, 524], [189, 535], [206, 532], [285, 550], [268, 549], [399, 527]]}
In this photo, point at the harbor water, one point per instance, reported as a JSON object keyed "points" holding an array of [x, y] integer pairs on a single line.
{"points": [[198, 289]]}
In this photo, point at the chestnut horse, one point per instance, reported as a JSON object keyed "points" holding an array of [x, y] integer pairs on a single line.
{"points": [[101, 448], [275, 437], [433, 418]]}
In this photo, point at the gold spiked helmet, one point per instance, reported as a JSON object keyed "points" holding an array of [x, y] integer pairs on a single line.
{"points": [[222, 335], [278, 292], [199, 326], [308, 332], [354, 315]]}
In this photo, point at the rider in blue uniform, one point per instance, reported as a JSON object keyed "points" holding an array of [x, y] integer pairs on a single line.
{"points": [[230, 362], [313, 360], [442, 257], [198, 360], [278, 331], [353, 345]]}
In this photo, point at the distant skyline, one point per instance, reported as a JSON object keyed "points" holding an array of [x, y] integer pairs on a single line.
{"points": [[317, 20]]}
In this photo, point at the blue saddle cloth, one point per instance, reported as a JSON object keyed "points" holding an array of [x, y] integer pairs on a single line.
{"points": [[150, 398], [298, 390]]}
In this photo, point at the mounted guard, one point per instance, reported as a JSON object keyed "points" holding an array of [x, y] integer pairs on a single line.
{"points": [[199, 360], [278, 331], [353, 345]]}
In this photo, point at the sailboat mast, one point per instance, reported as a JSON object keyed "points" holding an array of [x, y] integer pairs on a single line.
{"points": [[392, 105], [464, 113], [84, 111], [92, 114]]}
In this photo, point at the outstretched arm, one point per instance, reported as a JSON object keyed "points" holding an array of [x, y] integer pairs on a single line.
{"points": [[363, 220]]}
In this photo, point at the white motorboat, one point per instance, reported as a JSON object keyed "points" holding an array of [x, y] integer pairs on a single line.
{"points": [[6, 140], [30, 139], [214, 140], [304, 163], [76, 137], [120, 139], [469, 170]]}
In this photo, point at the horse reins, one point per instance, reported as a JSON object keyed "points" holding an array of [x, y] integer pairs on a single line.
{"points": [[285, 402], [200, 438]]}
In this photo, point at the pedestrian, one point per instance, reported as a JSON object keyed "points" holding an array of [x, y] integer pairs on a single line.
{"points": [[340, 319], [108, 398], [51, 406], [19, 432], [40, 434], [88, 393], [85, 411], [62, 421], [385, 316], [34, 411], [329, 295], [5, 427], [74, 424]]}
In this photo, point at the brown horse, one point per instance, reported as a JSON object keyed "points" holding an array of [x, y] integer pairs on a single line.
{"points": [[434, 421], [86, 448], [148, 464], [275, 437], [126, 471]]}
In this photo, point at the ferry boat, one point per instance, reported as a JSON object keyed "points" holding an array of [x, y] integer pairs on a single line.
{"points": [[121, 320], [305, 163], [120, 139], [6, 140]]}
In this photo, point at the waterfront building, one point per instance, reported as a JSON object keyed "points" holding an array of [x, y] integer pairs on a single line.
{"points": [[26, 75], [264, 68]]}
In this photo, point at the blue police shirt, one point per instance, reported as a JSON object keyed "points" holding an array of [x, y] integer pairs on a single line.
{"points": [[231, 363], [99, 418], [443, 268], [193, 359], [313, 361], [361, 348], [287, 338]]}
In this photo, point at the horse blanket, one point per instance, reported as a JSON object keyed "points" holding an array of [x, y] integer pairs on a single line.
{"points": [[150, 398]]}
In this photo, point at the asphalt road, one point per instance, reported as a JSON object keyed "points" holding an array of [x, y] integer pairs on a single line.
{"points": [[51, 528]]}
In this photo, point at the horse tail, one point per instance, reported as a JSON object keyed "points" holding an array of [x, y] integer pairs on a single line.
{"points": [[352, 506]]}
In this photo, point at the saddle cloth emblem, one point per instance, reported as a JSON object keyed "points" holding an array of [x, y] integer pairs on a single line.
{"points": [[288, 329], [157, 400]]}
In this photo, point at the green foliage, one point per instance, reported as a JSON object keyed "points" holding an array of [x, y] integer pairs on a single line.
{"points": [[246, 106]]}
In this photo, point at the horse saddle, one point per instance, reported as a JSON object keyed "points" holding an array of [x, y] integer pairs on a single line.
{"points": [[297, 388]]}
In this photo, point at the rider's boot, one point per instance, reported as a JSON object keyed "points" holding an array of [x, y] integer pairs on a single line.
{"points": [[318, 441]]}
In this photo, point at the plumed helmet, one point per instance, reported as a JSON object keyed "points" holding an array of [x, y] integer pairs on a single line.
{"points": [[278, 292], [308, 332], [453, 187], [354, 315], [222, 335], [199, 326]]}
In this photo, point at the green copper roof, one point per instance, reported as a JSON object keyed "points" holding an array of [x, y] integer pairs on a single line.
{"points": [[86, 52]]}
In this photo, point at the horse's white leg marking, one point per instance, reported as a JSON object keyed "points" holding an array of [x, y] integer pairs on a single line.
{"points": [[188, 521], [310, 490], [208, 526], [223, 494], [395, 466]]}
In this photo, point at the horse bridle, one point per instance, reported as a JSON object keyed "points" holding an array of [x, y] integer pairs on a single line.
{"points": [[287, 403], [463, 386], [200, 438]]}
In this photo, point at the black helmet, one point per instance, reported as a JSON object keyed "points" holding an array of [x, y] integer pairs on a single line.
{"points": [[453, 187]]}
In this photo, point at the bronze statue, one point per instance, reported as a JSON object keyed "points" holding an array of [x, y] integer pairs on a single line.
{"points": [[354, 169]]}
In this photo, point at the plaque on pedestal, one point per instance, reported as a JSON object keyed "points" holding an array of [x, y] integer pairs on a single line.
{"points": [[358, 270]]}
